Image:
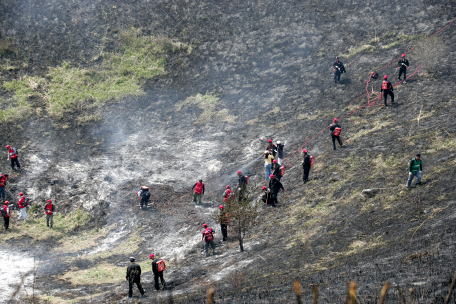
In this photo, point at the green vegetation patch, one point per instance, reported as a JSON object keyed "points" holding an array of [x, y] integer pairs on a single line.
{"points": [[208, 103]]}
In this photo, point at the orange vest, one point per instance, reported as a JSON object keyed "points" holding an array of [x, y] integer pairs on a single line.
{"points": [[385, 85]]}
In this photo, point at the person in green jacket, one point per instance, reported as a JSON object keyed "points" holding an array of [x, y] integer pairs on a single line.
{"points": [[415, 168]]}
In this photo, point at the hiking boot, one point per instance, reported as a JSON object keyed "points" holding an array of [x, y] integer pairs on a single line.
{"points": [[418, 183], [207, 254]]}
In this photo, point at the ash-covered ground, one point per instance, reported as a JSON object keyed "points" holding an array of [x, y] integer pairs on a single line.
{"points": [[270, 65]]}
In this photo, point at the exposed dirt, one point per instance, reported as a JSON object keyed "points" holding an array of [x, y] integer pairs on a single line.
{"points": [[256, 57]]}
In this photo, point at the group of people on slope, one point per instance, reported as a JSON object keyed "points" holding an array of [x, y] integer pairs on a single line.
{"points": [[134, 275]]}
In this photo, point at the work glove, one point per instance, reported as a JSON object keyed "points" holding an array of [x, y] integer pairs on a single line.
{"points": [[284, 190]]}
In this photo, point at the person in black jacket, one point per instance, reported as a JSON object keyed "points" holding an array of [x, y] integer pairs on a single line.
{"points": [[280, 151], [306, 166], [275, 187], [134, 277], [276, 171], [157, 274], [335, 133], [403, 64], [338, 69], [271, 148], [387, 89], [242, 184], [264, 195], [144, 196]]}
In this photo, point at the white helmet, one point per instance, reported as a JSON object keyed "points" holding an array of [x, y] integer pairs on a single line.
{"points": [[278, 142]]}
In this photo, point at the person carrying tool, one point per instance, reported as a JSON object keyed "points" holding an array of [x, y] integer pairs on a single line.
{"points": [[335, 130], [158, 266], [387, 89], [415, 168], [306, 163], [242, 184], [134, 277], [403, 66], [223, 222], [276, 171], [23, 203], [3, 179], [6, 213], [208, 238], [199, 191], [271, 148], [12, 154], [227, 194], [275, 186], [280, 151], [264, 195], [338, 69], [268, 157], [143, 196], [49, 209]]}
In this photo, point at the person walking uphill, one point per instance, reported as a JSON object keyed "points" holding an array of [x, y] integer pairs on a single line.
{"points": [[275, 186], [223, 222], [12, 154], [280, 151], [134, 277], [335, 129], [208, 238], [387, 89], [268, 163], [23, 203], [242, 185], [338, 69], [228, 193], [277, 172], [3, 178], [403, 66], [199, 191], [49, 209], [306, 164], [144, 196], [158, 266], [415, 168], [6, 213]]}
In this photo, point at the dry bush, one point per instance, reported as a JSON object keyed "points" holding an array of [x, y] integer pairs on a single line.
{"points": [[429, 54]]}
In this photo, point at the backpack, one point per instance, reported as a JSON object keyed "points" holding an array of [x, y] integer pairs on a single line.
{"points": [[145, 194], [208, 234], [312, 160], [337, 132], [282, 171], [161, 265], [247, 178], [26, 201]]}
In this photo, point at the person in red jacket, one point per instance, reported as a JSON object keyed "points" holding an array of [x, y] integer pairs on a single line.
{"points": [[199, 191], [12, 154], [208, 238], [3, 178], [49, 209], [6, 213], [228, 193], [23, 202]]}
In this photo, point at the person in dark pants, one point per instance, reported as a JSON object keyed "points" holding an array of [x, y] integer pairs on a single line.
{"points": [[276, 171], [134, 277], [264, 195], [199, 191], [223, 222], [335, 129], [6, 213], [208, 238], [275, 188], [12, 154], [415, 168], [338, 70], [3, 178], [242, 184], [144, 196], [306, 166], [403, 66], [387, 89], [280, 151], [157, 273]]}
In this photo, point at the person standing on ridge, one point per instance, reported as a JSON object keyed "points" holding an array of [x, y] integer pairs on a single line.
{"points": [[280, 151], [387, 89], [23, 203], [275, 186], [271, 148], [403, 66], [199, 191], [242, 184], [415, 168], [227, 194], [3, 178], [335, 129], [134, 277], [223, 222], [306, 163], [268, 163], [6, 213], [12, 154], [158, 266], [49, 209], [208, 238], [338, 69], [144, 196]]}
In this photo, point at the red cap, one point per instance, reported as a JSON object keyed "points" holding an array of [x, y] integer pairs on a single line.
{"points": [[304, 151], [239, 172], [6, 203], [335, 119], [269, 140], [227, 186], [385, 77], [264, 187], [403, 55], [204, 225], [274, 161], [151, 256], [20, 194], [49, 201], [7, 146], [271, 176], [221, 206]]}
